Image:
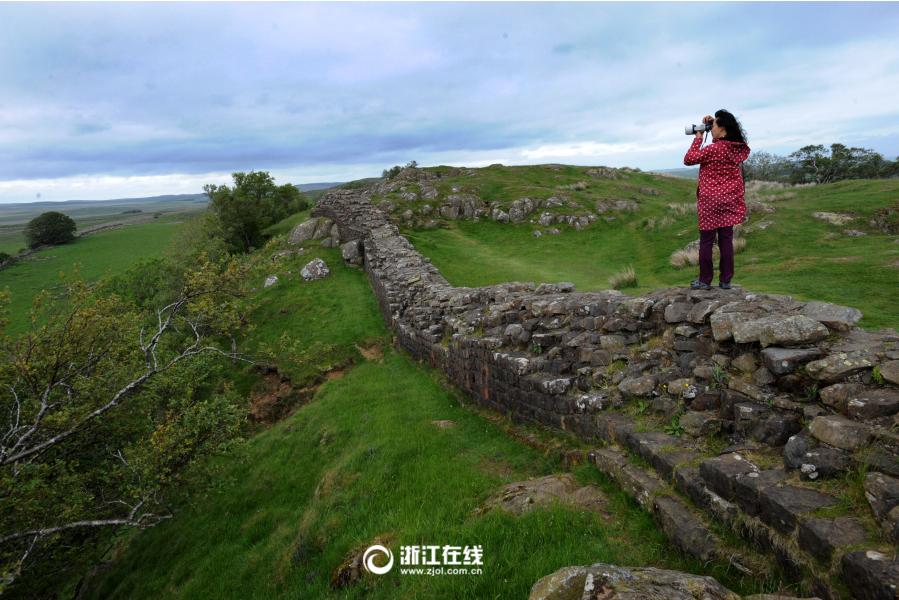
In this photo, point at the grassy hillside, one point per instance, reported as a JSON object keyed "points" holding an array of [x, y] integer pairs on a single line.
{"points": [[90, 215], [788, 251], [95, 255], [361, 461]]}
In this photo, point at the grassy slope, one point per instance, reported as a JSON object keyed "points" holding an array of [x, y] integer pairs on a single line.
{"points": [[798, 255], [86, 216], [363, 460], [107, 252]]}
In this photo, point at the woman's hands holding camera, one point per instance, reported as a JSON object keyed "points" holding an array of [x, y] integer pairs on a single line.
{"points": [[708, 120]]}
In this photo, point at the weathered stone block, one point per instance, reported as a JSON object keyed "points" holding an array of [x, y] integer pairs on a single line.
{"points": [[709, 400], [837, 366], [822, 537], [890, 371], [700, 423], [638, 386], [839, 318], [837, 395], [782, 506], [684, 529], [871, 575], [781, 361], [870, 404], [882, 492], [781, 331], [720, 473], [840, 432], [639, 484], [814, 460], [747, 486], [677, 312]]}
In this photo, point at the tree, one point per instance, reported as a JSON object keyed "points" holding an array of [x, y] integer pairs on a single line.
{"points": [[104, 408], [765, 166], [49, 228], [242, 212]]}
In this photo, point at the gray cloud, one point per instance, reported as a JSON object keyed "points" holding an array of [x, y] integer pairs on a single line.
{"points": [[147, 89]]}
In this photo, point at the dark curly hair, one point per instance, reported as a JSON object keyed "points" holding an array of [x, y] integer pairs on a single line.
{"points": [[727, 120]]}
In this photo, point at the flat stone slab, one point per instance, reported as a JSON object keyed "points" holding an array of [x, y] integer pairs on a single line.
{"points": [[781, 361], [834, 316], [747, 487], [781, 331], [870, 404], [782, 506], [839, 365], [840, 432], [610, 582], [720, 473], [524, 496], [822, 537]]}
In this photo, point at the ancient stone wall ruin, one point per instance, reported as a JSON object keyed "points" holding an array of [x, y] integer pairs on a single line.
{"points": [[716, 410]]}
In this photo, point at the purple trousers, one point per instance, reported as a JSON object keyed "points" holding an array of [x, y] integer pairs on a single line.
{"points": [[725, 237]]}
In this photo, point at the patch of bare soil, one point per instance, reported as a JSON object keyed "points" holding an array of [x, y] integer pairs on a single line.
{"points": [[335, 374], [373, 352], [352, 568], [274, 397], [523, 496]]}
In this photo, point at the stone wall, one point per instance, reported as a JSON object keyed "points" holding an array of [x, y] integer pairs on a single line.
{"points": [[759, 412]]}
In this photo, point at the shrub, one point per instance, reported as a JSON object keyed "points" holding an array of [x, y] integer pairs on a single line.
{"points": [[49, 228], [623, 279], [689, 254]]}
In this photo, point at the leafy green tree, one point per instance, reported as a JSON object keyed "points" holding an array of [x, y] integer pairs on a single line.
{"points": [[106, 408], [49, 228], [242, 212]]}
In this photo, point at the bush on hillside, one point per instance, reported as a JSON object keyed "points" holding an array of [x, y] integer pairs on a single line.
{"points": [[395, 170], [49, 228], [242, 212]]}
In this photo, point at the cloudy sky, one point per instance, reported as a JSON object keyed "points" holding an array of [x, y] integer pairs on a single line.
{"points": [[122, 100]]}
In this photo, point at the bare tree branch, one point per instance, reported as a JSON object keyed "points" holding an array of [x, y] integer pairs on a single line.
{"points": [[166, 318]]}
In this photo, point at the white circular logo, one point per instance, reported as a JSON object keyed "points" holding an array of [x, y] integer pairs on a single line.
{"points": [[368, 559]]}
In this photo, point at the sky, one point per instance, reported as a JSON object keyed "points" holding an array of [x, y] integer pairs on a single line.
{"points": [[121, 100]]}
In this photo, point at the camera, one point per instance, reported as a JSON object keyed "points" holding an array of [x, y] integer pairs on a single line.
{"points": [[694, 129]]}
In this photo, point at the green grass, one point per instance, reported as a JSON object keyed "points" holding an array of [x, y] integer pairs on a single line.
{"points": [[104, 253], [381, 469], [13, 217], [363, 460], [798, 255], [289, 223], [313, 327]]}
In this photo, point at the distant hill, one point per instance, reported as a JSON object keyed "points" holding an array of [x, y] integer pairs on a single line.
{"points": [[309, 187], [684, 172]]}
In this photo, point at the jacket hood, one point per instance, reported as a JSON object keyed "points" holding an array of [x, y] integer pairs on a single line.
{"points": [[738, 150]]}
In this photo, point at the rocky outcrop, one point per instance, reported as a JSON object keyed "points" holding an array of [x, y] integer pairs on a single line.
{"points": [[792, 380]]}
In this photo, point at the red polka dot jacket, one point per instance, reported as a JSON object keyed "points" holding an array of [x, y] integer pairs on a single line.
{"points": [[720, 196]]}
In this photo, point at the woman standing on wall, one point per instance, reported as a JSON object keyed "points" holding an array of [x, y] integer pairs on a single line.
{"points": [[720, 195]]}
